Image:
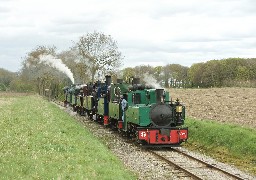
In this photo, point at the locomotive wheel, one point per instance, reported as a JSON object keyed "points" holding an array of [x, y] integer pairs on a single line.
{"points": [[81, 111], [113, 124], [74, 108], [88, 114], [78, 110]]}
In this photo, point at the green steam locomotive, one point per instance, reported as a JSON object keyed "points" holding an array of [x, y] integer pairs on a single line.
{"points": [[139, 111]]}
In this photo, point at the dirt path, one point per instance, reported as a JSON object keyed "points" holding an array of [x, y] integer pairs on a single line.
{"points": [[232, 105]]}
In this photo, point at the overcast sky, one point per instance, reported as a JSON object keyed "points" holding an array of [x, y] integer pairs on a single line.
{"points": [[149, 32]]}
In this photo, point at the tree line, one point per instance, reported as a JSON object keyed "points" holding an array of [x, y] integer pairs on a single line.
{"points": [[231, 72], [96, 55], [93, 53]]}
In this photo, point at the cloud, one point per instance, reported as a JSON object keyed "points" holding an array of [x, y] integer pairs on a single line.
{"points": [[4, 10], [147, 31]]}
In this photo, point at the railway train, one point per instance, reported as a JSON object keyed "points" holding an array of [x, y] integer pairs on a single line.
{"points": [[141, 112]]}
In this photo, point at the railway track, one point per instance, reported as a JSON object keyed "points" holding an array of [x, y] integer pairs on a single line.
{"points": [[185, 165], [192, 166]]}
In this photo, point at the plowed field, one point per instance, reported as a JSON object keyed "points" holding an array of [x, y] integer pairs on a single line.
{"points": [[231, 105]]}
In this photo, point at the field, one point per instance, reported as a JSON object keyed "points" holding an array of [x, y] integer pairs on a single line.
{"points": [[229, 105], [40, 141], [37, 139], [222, 124]]}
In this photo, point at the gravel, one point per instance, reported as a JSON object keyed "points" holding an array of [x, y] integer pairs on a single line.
{"points": [[140, 161], [136, 159]]}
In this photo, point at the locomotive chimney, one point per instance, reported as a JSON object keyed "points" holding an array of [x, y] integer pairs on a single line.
{"points": [[136, 81], [119, 81], [108, 80], [159, 95]]}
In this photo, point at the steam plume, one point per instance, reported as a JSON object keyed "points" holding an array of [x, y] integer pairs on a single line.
{"points": [[151, 81], [58, 64]]}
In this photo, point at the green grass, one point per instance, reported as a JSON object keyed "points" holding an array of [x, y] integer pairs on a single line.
{"points": [[226, 142], [40, 141]]}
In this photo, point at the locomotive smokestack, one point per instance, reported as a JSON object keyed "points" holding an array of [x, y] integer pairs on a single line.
{"points": [[136, 81], [159, 95], [119, 81], [108, 80]]}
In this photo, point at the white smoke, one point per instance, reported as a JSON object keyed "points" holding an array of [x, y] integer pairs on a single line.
{"points": [[58, 64], [151, 81]]}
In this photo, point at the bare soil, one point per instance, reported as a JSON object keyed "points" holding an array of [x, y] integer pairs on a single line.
{"points": [[229, 105]]}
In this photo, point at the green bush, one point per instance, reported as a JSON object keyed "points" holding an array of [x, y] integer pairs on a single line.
{"points": [[3, 87]]}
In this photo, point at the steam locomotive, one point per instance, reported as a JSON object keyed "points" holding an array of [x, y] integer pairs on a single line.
{"points": [[139, 111]]}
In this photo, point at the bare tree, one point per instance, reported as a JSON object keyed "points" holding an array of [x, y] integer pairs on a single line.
{"points": [[38, 74], [99, 52], [79, 69]]}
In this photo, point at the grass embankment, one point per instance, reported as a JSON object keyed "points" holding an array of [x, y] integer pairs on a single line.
{"points": [[38, 140], [228, 143]]}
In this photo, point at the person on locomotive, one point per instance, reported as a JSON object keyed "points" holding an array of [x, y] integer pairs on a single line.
{"points": [[124, 105]]}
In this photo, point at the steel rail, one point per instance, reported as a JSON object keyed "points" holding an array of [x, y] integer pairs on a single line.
{"points": [[207, 164], [175, 165]]}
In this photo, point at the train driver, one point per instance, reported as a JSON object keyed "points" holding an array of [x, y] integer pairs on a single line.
{"points": [[124, 105]]}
